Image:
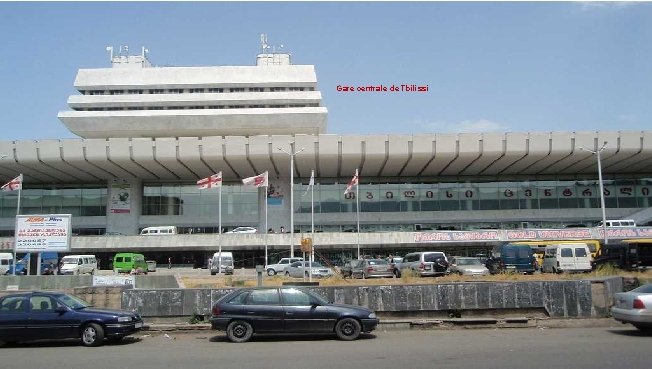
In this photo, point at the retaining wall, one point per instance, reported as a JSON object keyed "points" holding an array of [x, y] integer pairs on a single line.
{"points": [[66, 282], [561, 299]]}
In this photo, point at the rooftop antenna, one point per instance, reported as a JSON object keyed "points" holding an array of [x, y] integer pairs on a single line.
{"points": [[263, 42], [110, 50]]}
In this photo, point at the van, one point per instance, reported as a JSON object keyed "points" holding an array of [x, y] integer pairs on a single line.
{"points": [[124, 262], [567, 257], [78, 264], [622, 223], [6, 261], [510, 257], [424, 263], [222, 262], [159, 231]]}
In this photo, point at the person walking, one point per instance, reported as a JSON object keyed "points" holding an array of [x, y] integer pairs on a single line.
{"points": [[170, 262]]}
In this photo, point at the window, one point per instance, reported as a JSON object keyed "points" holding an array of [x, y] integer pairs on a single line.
{"points": [[237, 89], [239, 299], [116, 92], [580, 252], [135, 92], [16, 304], [256, 89], [216, 107], [566, 253], [175, 91], [297, 105], [157, 91], [293, 296], [256, 106], [263, 297], [277, 89], [195, 107], [196, 90], [216, 90], [296, 88], [236, 106], [42, 304], [96, 92], [277, 106]]}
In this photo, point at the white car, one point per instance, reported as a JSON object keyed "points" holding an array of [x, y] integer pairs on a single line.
{"points": [[300, 269], [243, 230], [273, 269]]}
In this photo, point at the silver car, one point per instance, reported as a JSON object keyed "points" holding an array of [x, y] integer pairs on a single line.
{"points": [[468, 266], [634, 307], [369, 268], [300, 269]]}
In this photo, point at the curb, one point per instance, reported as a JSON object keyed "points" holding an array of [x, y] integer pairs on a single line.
{"points": [[435, 324]]}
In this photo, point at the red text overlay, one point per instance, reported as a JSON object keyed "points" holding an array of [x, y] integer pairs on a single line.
{"points": [[383, 88]]}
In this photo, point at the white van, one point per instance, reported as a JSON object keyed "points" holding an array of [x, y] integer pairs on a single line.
{"points": [[566, 257], [225, 260], [6, 261], [159, 231], [78, 264], [622, 223]]}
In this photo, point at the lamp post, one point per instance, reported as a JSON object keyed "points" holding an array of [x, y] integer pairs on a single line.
{"points": [[292, 154], [604, 213]]}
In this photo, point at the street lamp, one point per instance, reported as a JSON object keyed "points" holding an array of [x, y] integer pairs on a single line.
{"points": [[604, 213], [291, 197]]}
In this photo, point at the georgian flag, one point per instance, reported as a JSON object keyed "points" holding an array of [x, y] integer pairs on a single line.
{"points": [[14, 184], [209, 182], [311, 183], [256, 181], [352, 182]]}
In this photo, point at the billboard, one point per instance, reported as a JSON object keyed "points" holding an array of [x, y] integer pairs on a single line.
{"points": [[36, 233]]}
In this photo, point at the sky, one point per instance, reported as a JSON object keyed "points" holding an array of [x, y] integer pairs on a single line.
{"points": [[488, 66]]}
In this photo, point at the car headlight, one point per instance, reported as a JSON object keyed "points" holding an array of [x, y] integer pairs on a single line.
{"points": [[372, 316], [124, 318]]}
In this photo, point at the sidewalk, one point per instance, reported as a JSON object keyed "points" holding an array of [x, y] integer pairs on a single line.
{"points": [[443, 324]]}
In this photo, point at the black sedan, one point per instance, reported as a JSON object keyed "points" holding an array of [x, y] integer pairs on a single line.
{"points": [[246, 311], [54, 315]]}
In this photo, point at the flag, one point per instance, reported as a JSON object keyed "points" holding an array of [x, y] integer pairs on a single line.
{"points": [[352, 182], [209, 182], [311, 183], [256, 181], [14, 184]]}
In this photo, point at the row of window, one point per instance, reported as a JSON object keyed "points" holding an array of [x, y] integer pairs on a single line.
{"points": [[158, 91], [257, 106]]}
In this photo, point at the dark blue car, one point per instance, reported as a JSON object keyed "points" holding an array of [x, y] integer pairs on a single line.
{"points": [[287, 310], [55, 315]]}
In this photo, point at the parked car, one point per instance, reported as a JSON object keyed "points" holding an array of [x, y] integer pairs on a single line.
{"points": [[78, 264], [273, 269], [55, 315], [347, 269], [513, 258], [249, 311], [467, 266], [300, 269], [151, 265], [634, 307], [424, 263], [243, 230], [370, 268]]}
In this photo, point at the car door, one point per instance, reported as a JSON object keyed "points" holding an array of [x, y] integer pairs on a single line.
{"points": [[264, 310], [305, 314], [44, 322], [13, 318]]}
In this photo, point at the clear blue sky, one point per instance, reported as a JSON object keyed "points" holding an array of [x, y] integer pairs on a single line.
{"points": [[489, 66]]}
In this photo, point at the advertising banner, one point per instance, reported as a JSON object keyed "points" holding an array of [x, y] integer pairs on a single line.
{"points": [[36, 233], [121, 198], [443, 236]]}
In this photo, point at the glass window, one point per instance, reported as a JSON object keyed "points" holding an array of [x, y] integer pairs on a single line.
{"points": [[263, 297], [293, 296], [566, 252]]}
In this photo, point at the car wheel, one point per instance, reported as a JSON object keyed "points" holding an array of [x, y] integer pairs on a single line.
{"points": [[347, 329], [271, 272], [92, 335], [239, 331]]}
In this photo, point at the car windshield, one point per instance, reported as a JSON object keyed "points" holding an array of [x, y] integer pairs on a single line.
{"points": [[69, 261], [432, 257], [471, 261], [377, 262], [643, 289], [73, 302]]}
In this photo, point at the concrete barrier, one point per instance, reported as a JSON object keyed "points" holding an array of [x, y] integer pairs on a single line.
{"points": [[68, 282], [559, 299]]}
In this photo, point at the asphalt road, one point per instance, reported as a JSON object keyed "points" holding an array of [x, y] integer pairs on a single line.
{"points": [[520, 348]]}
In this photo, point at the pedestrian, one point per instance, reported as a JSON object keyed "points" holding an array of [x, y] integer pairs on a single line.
{"points": [[170, 262], [282, 229]]}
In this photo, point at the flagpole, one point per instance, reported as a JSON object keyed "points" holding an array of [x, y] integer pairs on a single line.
{"points": [[219, 225], [266, 232], [312, 220], [357, 207], [20, 190]]}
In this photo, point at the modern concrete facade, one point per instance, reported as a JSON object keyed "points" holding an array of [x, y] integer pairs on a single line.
{"points": [[152, 132]]}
